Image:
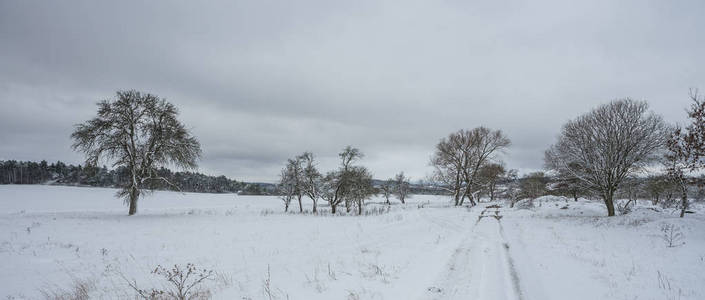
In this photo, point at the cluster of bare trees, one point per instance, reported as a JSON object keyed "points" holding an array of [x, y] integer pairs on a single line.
{"points": [[350, 184], [463, 157], [606, 150], [490, 176], [397, 187], [597, 153], [602, 152], [532, 186]]}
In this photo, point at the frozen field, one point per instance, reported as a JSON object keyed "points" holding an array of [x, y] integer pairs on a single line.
{"points": [[53, 237]]}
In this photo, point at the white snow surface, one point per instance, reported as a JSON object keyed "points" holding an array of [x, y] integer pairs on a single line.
{"points": [[52, 237]]}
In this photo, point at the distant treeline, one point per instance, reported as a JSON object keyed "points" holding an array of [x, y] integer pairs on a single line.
{"points": [[59, 173], [419, 188]]}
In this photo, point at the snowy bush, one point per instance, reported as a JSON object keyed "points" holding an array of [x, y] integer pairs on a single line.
{"points": [[269, 291], [524, 204], [79, 290], [672, 235], [181, 283], [374, 270], [377, 211], [266, 212]]}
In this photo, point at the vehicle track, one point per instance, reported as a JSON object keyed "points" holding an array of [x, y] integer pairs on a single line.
{"points": [[481, 266]]}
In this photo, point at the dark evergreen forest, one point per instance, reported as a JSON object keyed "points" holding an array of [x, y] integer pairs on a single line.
{"points": [[59, 173]]}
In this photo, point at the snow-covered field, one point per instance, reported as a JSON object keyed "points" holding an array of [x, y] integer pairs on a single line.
{"points": [[54, 237]]}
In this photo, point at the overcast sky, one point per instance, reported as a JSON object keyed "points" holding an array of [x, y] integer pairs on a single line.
{"points": [[260, 81]]}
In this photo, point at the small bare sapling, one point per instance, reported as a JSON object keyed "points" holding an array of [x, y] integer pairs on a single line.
{"points": [[672, 235]]}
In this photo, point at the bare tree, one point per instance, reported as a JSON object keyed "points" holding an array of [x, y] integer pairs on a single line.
{"points": [[330, 189], [569, 185], [348, 183], [286, 187], [630, 189], [607, 144], [401, 187], [387, 189], [657, 187], [347, 158], [448, 162], [459, 158], [359, 187], [512, 190], [292, 179], [490, 174], [311, 179], [677, 168], [687, 149], [533, 185], [140, 132]]}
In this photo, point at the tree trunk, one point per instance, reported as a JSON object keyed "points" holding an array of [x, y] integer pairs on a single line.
{"points": [[609, 203], [465, 194], [457, 188], [301, 207], [134, 194], [314, 205], [684, 199], [470, 198], [332, 208], [359, 208]]}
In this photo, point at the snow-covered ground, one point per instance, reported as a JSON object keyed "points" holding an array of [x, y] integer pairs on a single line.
{"points": [[53, 237]]}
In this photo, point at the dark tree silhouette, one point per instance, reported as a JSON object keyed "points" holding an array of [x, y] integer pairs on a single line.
{"points": [[141, 133]]}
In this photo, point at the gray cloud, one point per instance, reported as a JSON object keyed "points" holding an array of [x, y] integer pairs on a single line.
{"points": [[260, 81]]}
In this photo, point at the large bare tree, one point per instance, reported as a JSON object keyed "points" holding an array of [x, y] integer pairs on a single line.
{"points": [[604, 146], [459, 158], [140, 132]]}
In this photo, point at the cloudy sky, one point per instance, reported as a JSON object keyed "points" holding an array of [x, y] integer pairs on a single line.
{"points": [[260, 81]]}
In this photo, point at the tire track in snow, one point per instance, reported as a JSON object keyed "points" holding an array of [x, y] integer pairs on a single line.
{"points": [[510, 261], [480, 267]]}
